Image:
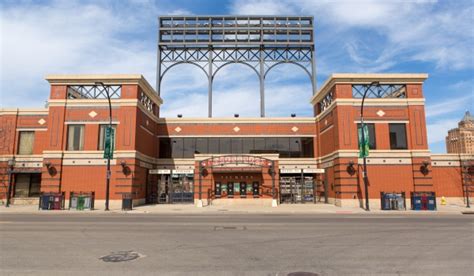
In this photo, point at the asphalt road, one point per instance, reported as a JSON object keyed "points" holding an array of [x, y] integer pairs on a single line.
{"points": [[228, 244]]}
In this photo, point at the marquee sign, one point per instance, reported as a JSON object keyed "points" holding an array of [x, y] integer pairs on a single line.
{"points": [[236, 161]]}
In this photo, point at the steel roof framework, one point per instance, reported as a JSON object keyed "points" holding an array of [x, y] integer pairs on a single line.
{"points": [[259, 42]]}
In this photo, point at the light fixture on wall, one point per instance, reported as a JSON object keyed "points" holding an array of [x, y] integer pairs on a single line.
{"points": [[51, 169], [424, 168], [350, 168]]}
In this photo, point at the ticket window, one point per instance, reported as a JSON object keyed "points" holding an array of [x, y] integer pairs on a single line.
{"points": [[243, 189], [218, 190], [224, 190], [255, 189], [230, 189]]}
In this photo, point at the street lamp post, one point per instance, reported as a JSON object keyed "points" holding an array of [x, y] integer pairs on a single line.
{"points": [[364, 174], [466, 171], [11, 166], [301, 175], [107, 187]]}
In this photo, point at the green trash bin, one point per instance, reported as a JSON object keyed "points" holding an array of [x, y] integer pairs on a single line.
{"points": [[80, 202]]}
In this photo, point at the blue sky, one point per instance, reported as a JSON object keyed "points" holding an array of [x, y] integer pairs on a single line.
{"points": [[64, 37]]}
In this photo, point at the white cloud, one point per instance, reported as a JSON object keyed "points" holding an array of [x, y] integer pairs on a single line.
{"points": [[455, 104], [427, 31], [65, 37], [438, 130]]}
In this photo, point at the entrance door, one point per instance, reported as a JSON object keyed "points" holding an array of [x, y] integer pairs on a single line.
{"points": [[293, 189], [176, 189]]}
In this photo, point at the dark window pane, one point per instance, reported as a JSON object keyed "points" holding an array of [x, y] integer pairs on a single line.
{"points": [[398, 136], [201, 145], [35, 185], [259, 145], [189, 147], [372, 142], [283, 145], [165, 148], [236, 145], [295, 147], [271, 144], [214, 145], [177, 148], [224, 145], [247, 145], [307, 147], [22, 185]]}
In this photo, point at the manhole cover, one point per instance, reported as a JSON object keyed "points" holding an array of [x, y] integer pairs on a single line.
{"points": [[302, 273], [121, 256], [218, 228]]}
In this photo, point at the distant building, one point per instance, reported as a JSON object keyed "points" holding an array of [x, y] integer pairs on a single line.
{"points": [[461, 139]]}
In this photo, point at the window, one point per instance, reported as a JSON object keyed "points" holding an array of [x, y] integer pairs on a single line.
{"points": [[236, 145], [165, 148], [201, 145], [177, 148], [371, 127], [285, 146], [26, 142], [75, 137], [398, 136], [27, 185], [224, 145], [189, 147], [102, 136]]}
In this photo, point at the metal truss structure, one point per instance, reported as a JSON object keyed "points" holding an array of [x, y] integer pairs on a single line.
{"points": [[93, 92], [259, 42], [379, 91]]}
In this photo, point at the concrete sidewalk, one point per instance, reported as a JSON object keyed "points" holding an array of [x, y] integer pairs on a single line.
{"points": [[319, 208]]}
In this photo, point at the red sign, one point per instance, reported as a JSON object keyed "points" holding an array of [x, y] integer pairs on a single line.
{"points": [[219, 161]]}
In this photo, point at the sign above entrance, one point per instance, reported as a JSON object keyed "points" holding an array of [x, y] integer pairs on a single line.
{"points": [[313, 170], [236, 160], [289, 171], [160, 171]]}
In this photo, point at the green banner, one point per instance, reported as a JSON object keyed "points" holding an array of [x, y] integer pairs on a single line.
{"points": [[363, 143], [109, 143]]}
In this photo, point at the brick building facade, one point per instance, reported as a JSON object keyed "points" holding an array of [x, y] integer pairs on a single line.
{"points": [[461, 139], [225, 160]]}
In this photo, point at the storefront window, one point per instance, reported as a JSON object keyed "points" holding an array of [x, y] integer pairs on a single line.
{"points": [[285, 146]]}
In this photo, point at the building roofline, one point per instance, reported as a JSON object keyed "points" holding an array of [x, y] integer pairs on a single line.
{"points": [[361, 78], [107, 79], [24, 111]]}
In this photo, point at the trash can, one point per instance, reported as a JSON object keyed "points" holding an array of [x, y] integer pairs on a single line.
{"points": [[127, 202]]}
